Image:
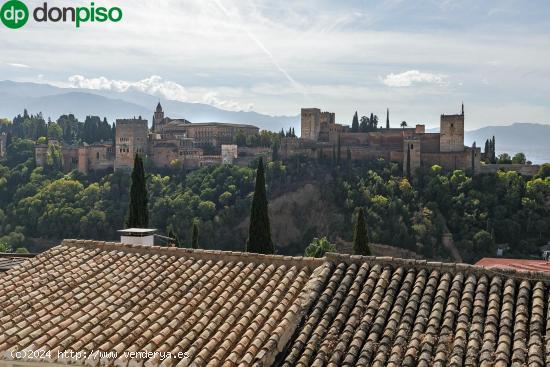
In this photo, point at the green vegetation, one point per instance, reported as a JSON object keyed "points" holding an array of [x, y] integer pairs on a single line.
{"points": [[67, 128], [259, 233], [41, 205], [138, 214], [319, 247]]}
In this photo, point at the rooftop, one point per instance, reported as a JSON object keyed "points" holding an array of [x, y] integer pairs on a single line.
{"points": [[230, 308], [517, 264], [203, 124], [10, 260]]}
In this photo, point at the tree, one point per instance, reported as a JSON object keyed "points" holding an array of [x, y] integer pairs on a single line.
{"points": [[544, 171], [364, 124], [174, 236], [259, 234], [519, 158], [319, 247], [387, 118], [195, 235], [504, 158], [355, 123], [404, 124], [483, 243], [360, 237], [138, 214]]}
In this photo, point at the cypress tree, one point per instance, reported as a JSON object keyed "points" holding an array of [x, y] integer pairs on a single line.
{"points": [[387, 118], [259, 234], [355, 123], [360, 237], [138, 214], [195, 235], [174, 236]]}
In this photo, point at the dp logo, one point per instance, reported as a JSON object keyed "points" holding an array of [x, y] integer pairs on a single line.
{"points": [[14, 14]]}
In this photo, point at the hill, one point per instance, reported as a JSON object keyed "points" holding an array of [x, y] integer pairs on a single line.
{"points": [[54, 101]]}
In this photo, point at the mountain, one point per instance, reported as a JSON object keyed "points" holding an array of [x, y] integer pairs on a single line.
{"points": [[531, 139], [54, 101]]}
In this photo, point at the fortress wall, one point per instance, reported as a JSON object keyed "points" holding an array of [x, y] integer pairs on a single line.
{"points": [[354, 138], [448, 160], [523, 169], [430, 142]]}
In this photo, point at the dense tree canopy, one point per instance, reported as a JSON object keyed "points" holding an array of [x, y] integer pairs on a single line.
{"points": [[479, 212]]}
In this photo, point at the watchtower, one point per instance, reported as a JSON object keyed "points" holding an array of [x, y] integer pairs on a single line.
{"points": [[411, 155], [310, 123], [158, 116], [451, 138]]}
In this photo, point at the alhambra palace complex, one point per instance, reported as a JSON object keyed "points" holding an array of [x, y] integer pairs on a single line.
{"points": [[178, 143], [321, 135]]}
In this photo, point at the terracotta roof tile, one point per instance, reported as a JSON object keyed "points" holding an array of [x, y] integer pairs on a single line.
{"points": [[229, 309]]}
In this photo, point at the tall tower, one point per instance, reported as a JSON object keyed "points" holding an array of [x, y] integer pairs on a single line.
{"points": [[411, 156], [451, 138], [158, 116], [387, 118], [311, 123]]}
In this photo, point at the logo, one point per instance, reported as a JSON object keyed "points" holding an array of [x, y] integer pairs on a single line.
{"points": [[14, 14]]}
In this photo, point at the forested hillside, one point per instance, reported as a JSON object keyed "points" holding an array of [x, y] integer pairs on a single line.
{"points": [[308, 200]]}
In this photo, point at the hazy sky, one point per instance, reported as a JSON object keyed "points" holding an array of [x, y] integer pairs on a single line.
{"points": [[419, 58]]}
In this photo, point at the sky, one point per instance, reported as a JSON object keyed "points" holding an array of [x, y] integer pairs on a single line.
{"points": [[420, 59]]}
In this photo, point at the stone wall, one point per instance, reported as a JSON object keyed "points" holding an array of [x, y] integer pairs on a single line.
{"points": [[528, 170]]}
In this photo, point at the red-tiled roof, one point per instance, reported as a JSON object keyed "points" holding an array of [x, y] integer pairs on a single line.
{"points": [[9, 260], [237, 309], [516, 264]]}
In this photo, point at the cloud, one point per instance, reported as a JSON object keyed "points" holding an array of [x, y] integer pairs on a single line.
{"points": [[157, 86], [410, 77], [17, 65]]}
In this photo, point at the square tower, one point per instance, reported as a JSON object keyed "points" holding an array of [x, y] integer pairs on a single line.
{"points": [[131, 139], [451, 134], [411, 155], [311, 123]]}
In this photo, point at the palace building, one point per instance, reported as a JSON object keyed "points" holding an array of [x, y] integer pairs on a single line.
{"points": [[171, 143]]}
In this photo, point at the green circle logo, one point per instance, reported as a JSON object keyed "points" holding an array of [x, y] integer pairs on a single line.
{"points": [[14, 14]]}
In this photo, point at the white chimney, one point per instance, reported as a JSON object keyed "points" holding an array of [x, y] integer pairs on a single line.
{"points": [[137, 236]]}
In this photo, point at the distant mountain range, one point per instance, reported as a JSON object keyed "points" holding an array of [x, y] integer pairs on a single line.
{"points": [[54, 102], [532, 139]]}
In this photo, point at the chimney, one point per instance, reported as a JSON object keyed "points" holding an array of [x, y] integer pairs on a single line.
{"points": [[137, 236]]}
